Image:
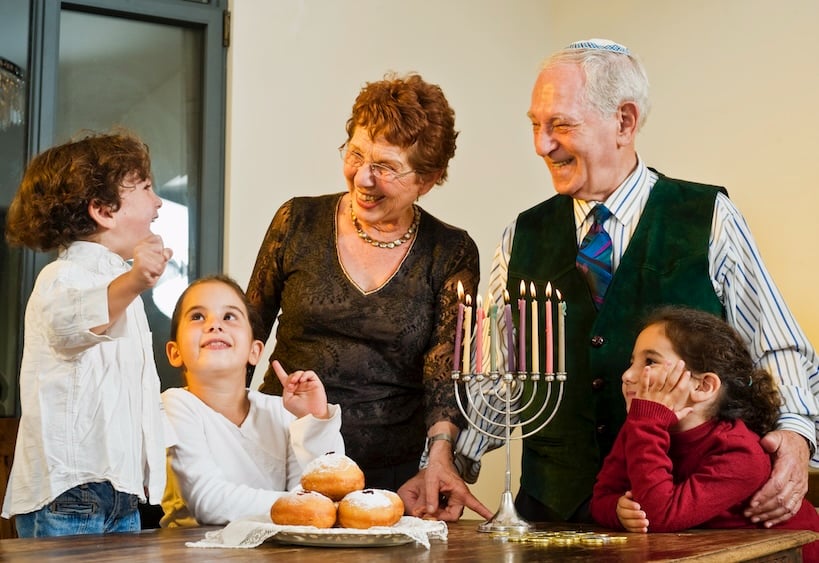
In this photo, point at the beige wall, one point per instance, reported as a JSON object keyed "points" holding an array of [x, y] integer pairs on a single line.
{"points": [[734, 88]]}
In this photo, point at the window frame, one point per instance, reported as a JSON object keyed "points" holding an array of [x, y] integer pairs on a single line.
{"points": [[206, 250], [45, 39]]}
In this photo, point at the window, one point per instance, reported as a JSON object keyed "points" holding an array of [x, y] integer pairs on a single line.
{"points": [[157, 68]]}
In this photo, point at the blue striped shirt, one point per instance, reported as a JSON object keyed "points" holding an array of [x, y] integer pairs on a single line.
{"points": [[753, 305]]}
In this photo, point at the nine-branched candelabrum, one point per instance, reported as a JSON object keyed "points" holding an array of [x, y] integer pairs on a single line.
{"points": [[509, 393]]}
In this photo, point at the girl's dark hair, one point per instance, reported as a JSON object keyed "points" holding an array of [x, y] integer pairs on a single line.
{"points": [[253, 315], [50, 209], [706, 343], [412, 114]]}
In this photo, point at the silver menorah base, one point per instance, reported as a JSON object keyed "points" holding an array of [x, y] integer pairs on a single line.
{"points": [[506, 519], [483, 394]]}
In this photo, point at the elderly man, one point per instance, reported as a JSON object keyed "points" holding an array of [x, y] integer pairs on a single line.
{"points": [[617, 240]]}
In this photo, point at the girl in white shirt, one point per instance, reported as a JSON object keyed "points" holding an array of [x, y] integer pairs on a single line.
{"points": [[237, 450]]}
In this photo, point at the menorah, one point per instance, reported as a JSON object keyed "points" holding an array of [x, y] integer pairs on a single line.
{"points": [[495, 403]]}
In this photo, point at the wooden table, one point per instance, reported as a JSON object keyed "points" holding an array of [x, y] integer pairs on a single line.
{"points": [[465, 544]]}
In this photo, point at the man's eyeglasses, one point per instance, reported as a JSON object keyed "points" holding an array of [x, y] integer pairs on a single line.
{"points": [[381, 171]]}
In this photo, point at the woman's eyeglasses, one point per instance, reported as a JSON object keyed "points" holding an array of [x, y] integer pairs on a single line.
{"points": [[381, 171]]}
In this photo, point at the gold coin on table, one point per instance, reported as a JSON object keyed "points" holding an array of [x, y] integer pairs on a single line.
{"points": [[564, 541], [593, 541]]}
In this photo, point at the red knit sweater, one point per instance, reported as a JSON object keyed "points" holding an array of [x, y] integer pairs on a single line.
{"points": [[703, 478]]}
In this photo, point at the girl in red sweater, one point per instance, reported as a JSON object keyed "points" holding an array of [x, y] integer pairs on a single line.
{"points": [[689, 450]]}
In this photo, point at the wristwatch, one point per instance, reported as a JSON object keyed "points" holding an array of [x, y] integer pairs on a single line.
{"points": [[437, 437]]}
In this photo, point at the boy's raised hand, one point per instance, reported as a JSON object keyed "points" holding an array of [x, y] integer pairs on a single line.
{"points": [[303, 393], [150, 259]]}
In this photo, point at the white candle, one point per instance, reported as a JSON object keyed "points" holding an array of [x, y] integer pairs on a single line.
{"points": [[550, 366], [561, 333], [467, 335], [535, 331], [493, 338], [480, 314]]}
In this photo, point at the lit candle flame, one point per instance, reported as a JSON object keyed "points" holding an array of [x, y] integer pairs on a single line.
{"points": [[532, 290], [549, 290], [506, 296], [460, 291]]}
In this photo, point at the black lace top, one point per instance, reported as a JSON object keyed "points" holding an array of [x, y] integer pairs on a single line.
{"points": [[385, 356]]}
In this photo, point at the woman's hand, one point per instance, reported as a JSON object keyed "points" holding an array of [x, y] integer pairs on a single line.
{"points": [[450, 492], [303, 393], [438, 490]]}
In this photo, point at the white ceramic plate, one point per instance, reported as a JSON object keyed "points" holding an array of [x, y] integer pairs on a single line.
{"points": [[341, 539]]}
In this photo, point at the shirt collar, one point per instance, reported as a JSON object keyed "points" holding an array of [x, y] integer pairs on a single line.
{"points": [[634, 188]]}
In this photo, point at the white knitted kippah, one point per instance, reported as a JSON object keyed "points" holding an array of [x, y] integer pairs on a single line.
{"points": [[600, 44]]}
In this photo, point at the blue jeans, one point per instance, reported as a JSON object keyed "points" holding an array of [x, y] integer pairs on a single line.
{"points": [[90, 508]]}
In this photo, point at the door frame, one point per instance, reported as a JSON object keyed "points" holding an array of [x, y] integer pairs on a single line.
{"points": [[212, 18]]}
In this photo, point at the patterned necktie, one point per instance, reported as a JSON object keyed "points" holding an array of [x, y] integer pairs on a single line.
{"points": [[594, 256]]}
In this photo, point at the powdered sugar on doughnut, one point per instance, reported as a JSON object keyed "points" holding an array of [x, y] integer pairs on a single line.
{"points": [[329, 462], [301, 494], [368, 498]]}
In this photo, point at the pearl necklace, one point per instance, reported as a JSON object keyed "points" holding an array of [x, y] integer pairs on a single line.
{"points": [[381, 244]]}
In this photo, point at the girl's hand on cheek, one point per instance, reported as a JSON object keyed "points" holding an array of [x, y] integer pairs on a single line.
{"points": [[667, 384]]}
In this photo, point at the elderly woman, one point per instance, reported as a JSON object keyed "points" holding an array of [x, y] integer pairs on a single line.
{"points": [[364, 284]]}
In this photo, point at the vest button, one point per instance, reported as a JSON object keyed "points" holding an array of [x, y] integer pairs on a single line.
{"points": [[598, 383], [601, 428], [597, 341]]}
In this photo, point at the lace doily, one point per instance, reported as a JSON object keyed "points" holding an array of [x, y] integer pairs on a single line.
{"points": [[253, 531]]}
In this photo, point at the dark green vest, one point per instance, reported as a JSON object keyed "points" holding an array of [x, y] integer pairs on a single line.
{"points": [[666, 262]]}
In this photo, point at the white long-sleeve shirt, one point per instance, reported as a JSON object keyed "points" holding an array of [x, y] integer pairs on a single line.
{"points": [[752, 302], [219, 471], [91, 409]]}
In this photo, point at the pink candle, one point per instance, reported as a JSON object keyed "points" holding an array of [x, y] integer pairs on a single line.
{"points": [[522, 328], [550, 367], [480, 314], [510, 337], [535, 331], [467, 334], [459, 326]]}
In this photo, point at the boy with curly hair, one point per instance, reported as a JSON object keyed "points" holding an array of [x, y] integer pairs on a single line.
{"points": [[90, 442]]}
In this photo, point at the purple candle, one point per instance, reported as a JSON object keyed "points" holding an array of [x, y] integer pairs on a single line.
{"points": [[510, 337]]}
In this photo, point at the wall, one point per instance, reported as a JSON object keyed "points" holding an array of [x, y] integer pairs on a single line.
{"points": [[733, 88]]}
